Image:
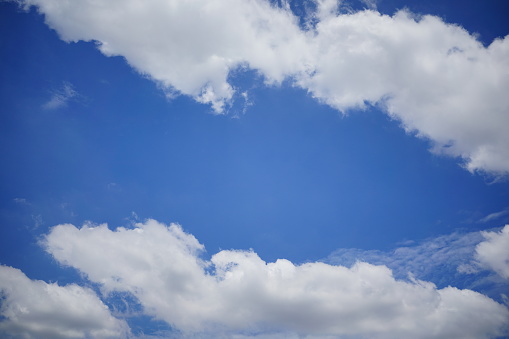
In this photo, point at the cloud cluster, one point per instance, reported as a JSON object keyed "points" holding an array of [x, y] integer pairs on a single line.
{"points": [[435, 78], [238, 292], [35, 309], [494, 251]]}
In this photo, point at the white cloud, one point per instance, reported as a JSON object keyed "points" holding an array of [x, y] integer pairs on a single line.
{"points": [[35, 309], [494, 251], [188, 46], [61, 97], [435, 78], [236, 292]]}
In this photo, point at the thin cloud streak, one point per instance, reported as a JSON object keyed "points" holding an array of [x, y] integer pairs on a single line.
{"points": [[432, 259], [494, 216], [61, 97], [473, 260]]}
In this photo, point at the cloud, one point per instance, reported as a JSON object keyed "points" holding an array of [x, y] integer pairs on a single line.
{"points": [[236, 292], [188, 46], [21, 201], [446, 260], [494, 251], [435, 78], [61, 97], [37, 219], [371, 4], [35, 309], [494, 216], [435, 259]]}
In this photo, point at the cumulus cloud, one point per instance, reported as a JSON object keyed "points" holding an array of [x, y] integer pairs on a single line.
{"points": [[188, 46], [237, 292], [494, 251], [435, 78], [61, 97], [36, 309]]}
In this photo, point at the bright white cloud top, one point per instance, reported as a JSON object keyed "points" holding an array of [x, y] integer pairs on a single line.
{"points": [[236, 291], [434, 77], [36, 309], [494, 251]]}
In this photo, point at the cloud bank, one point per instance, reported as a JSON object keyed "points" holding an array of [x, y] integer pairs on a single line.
{"points": [[435, 78], [237, 292], [35, 309]]}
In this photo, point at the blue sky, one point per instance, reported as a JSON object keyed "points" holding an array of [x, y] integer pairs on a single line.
{"points": [[337, 162]]}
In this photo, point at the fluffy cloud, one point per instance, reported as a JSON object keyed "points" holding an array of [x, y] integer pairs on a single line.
{"points": [[35, 309], [188, 46], [494, 251], [435, 78], [238, 292]]}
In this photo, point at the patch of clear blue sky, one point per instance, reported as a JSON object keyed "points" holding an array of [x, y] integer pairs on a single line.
{"points": [[290, 178]]}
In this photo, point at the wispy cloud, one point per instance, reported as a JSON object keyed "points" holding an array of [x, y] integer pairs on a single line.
{"points": [[38, 221], [418, 69], [61, 97], [494, 216], [436, 259], [21, 201], [475, 260], [371, 4]]}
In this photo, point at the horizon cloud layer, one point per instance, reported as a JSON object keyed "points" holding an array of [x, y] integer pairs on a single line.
{"points": [[236, 291], [162, 272]]}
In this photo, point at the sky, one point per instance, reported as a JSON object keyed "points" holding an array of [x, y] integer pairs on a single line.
{"points": [[254, 169]]}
